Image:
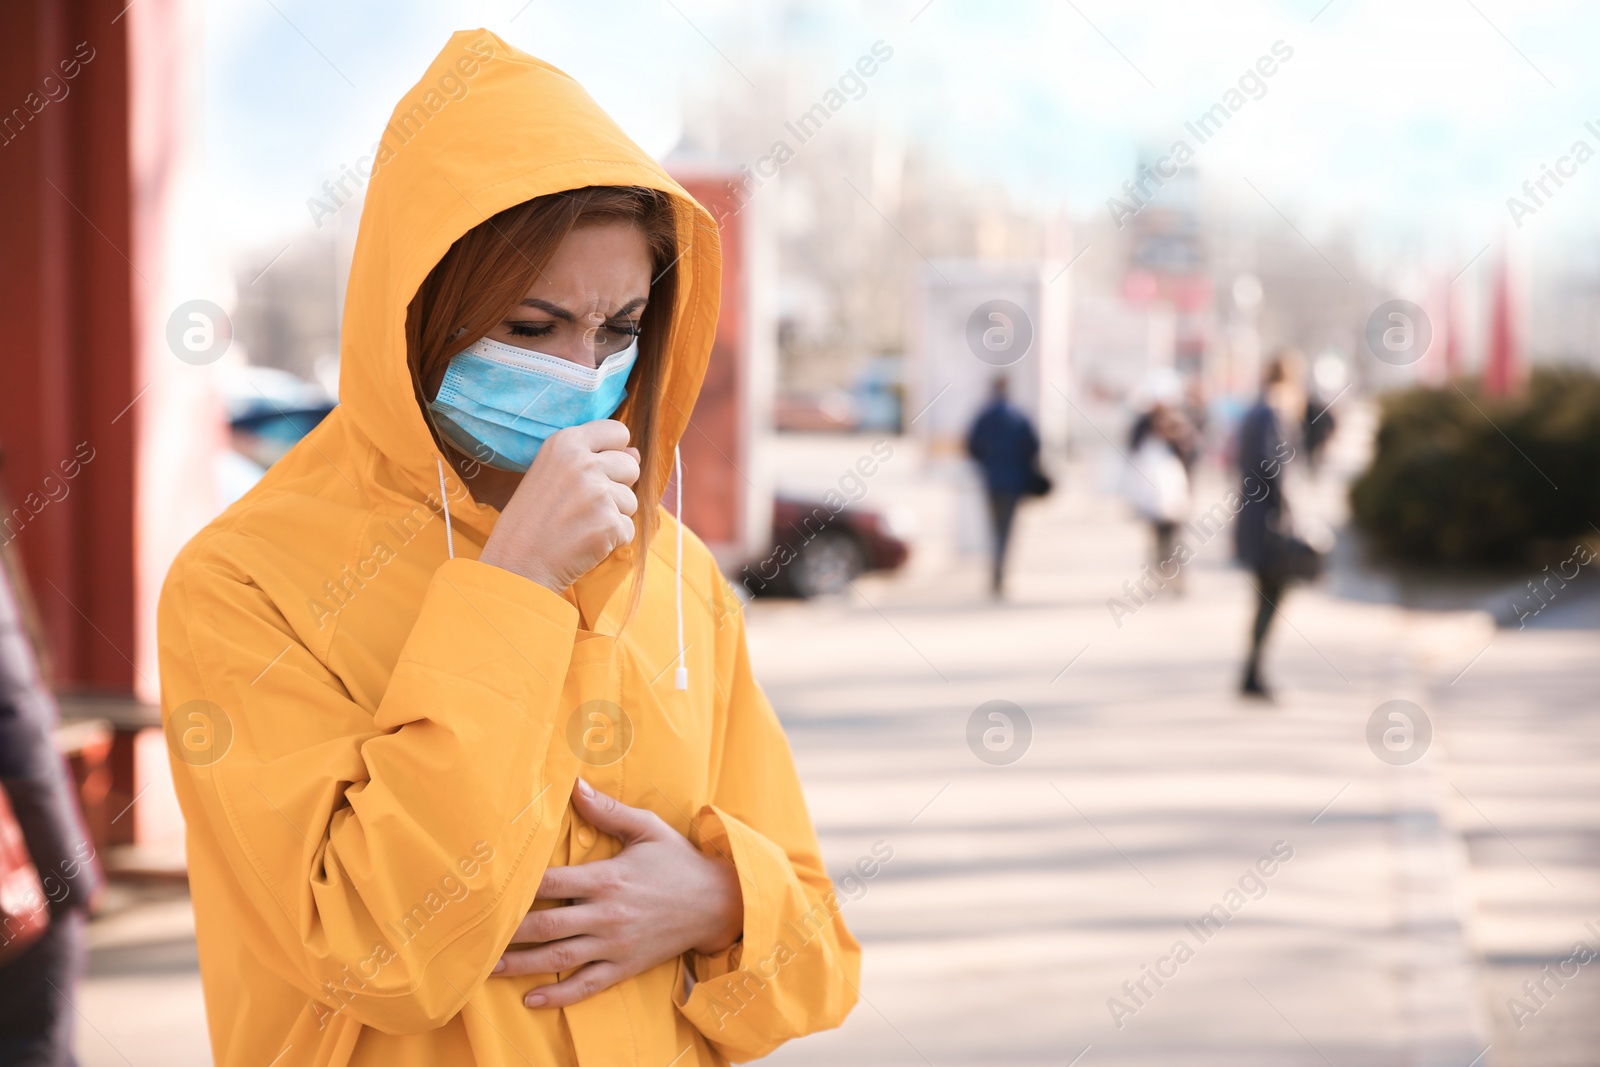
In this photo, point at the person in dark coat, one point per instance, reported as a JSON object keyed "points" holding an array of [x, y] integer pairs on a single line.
{"points": [[1317, 430], [1006, 447], [1263, 450], [37, 986]]}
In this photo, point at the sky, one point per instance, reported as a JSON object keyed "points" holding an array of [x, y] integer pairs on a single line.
{"points": [[1411, 122]]}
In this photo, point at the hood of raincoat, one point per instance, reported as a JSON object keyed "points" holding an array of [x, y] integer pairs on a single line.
{"points": [[486, 128]]}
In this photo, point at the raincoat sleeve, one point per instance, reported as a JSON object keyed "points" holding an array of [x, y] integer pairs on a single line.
{"points": [[796, 968], [385, 856]]}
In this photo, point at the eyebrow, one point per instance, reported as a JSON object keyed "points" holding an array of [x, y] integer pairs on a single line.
{"points": [[566, 316]]}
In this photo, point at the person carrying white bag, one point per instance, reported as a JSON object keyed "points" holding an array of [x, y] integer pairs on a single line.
{"points": [[1158, 483]]}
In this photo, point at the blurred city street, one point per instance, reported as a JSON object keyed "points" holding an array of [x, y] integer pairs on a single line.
{"points": [[1020, 898], [1255, 345]]}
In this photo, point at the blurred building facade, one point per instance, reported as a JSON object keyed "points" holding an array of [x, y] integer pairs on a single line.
{"points": [[109, 437]]}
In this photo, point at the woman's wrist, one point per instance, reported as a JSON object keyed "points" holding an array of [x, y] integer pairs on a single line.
{"points": [[526, 566], [726, 925]]}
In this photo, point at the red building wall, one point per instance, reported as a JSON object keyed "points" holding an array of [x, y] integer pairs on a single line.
{"points": [[715, 447], [66, 331]]}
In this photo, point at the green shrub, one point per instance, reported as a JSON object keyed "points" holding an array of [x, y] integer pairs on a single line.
{"points": [[1462, 480]]}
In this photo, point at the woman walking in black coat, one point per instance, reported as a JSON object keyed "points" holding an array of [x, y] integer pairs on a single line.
{"points": [[1260, 528]]}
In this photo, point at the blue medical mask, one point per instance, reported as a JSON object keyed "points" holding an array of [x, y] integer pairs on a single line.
{"points": [[498, 403]]}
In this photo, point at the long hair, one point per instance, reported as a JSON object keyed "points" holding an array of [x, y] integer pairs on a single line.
{"points": [[491, 267]]}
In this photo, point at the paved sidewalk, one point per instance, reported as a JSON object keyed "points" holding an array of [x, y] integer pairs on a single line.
{"points": [[1524, 742], [141, 1004], [1021, 898]]}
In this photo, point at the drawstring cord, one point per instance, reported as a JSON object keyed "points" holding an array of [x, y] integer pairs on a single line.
{"points": [[444, 500], [682, 675]]}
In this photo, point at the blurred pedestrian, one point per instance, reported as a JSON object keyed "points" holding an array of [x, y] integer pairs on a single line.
{"points": [[38, 977], [1317, 428], [1006, 447], [1195, 409], [1327, 382], [1163, 448], [1262, 540]]}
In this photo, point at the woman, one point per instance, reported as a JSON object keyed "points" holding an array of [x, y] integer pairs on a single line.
{"points": [[1164, 451], [474, 767], [1261, 527]]}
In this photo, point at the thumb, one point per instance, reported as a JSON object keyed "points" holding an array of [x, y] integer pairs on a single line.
{"points": [[612, 816]]}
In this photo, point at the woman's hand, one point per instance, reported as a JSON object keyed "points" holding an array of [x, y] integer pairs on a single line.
{"points": [[657, 899], [572, 508]]}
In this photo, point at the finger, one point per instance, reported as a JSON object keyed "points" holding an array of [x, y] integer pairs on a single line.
{"points": [[552, 924], [634, 452], [612, 816], [590, 979], [605, 435], [553, 958], [625, 499], [619, 466], [580, 882]]}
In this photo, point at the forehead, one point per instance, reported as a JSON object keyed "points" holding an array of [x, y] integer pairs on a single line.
{"points": [[605, 262]]}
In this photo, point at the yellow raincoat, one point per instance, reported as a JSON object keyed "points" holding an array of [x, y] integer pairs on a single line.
{"points": [[374, 743]]}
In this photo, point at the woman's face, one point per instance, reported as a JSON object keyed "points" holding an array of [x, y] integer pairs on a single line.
{"points": [[587, 304]]}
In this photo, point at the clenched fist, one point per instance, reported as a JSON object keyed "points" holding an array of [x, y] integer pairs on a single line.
{"points": [[572, 508]]}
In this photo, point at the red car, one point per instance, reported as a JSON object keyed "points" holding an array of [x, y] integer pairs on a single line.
{"points": [[818, 552]]}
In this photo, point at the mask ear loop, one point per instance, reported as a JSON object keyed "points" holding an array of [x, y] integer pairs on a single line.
{"points": [[444, 496], [444, 501], [682, 674]]}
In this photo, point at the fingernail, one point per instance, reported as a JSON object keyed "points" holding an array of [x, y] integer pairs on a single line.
{"points": [[499, 965], [585, 788], [534, 1000]]}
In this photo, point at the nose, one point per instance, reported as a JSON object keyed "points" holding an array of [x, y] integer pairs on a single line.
{"points": [[575, 340], [594, 349]]}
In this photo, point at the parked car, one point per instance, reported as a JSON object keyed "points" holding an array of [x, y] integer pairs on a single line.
{"points": [[267, 436], [259, 438], [817, 551]]}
